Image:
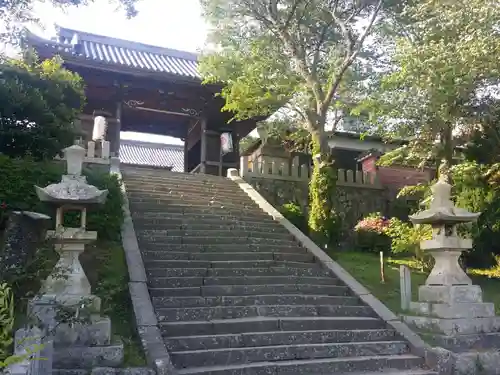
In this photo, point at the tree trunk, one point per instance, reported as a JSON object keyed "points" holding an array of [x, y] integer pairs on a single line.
{"points": [[323, 221], [446, 138]]}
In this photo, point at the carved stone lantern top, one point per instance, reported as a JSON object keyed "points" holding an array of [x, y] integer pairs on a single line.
{"points": [[74, 156], [442, 211], [73, 188]]}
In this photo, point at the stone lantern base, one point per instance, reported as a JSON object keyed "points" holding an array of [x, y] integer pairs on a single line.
{"points": [[86, 341], [455, 317]]}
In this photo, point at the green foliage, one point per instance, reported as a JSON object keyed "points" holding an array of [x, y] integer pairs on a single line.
{"points": [[39, 101], [475, 188], [19, 177], [107, 219], [405, 240], [294, 213], [375, 233], [371, 242], [6, 320], [444, 66], [290, 133], [246, 142], [299, 53]]}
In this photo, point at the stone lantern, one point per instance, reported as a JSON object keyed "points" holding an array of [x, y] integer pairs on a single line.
{"points": [[450, 307], [68, 285]]}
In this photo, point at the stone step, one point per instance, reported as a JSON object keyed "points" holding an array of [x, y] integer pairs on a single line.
{"points": [[185, 314], [147, 171], [188, 192], [197, 211], [179, 204], [228, 248], [167, 234], [183, 282], [232, 272], [272, 299], [77, 357], [176, 183], [227, 256], [155, 264], [174, 177], [268, 324], [250, 290], [327, 366], [61, 371], [215, 239], [194, 187], [160, 218], [231, 356], [165, 246], [191, 198], [160, 225], [276, 338]]}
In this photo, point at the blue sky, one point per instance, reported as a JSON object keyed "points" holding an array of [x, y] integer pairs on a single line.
{"points": [[174, 24]]}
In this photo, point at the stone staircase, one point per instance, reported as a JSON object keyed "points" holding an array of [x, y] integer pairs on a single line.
{"points": [[236, 295]]}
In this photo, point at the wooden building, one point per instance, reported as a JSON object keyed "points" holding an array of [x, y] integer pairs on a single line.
{"points": [[148, 89]]}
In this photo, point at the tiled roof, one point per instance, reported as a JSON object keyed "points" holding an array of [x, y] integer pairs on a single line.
{"points": [[122, 53], [152, 154]]}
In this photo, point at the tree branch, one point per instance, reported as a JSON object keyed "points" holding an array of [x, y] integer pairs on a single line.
{"points": [[291, 14], [298, 56], [349, 60]]}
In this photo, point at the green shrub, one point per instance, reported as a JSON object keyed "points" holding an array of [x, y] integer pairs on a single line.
{"points": [[293, 212], [19, 177], [369, 234], [406, 238]]}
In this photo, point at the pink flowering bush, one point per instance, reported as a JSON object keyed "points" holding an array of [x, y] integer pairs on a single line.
{"points": [[370, 234]]}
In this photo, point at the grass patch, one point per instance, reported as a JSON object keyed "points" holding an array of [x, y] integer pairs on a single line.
{"points": [[106, 268], [365, 268]]}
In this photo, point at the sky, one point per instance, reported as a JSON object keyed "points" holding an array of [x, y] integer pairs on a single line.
{"points": [[167, 23], [173, 24]]}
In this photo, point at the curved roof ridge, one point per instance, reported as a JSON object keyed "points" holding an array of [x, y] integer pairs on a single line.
{"points": [[83, 35]]}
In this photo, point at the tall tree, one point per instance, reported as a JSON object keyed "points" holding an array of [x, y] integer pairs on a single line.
{"points": [[445, 76], [300, 53], [15, 14]]}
